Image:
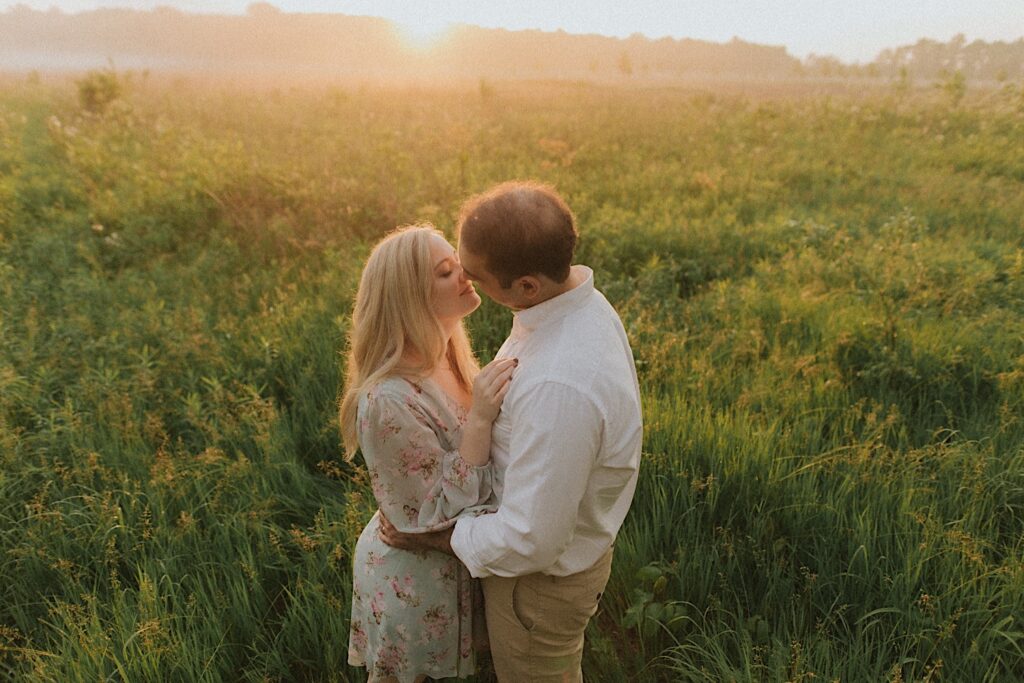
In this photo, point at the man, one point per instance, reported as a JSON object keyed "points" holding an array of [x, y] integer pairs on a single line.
{"points": [[566, 445]]}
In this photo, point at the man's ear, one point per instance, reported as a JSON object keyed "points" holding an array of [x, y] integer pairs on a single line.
{"points": [[529, 287]]}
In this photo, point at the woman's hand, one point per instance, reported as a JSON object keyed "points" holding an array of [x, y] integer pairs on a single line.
{"points": [[489, 389]]}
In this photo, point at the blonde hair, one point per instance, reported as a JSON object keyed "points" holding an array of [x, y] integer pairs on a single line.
{"points": [[392, 315]]}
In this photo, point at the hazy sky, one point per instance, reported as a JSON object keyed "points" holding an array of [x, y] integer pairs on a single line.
{"points": [[853, 30]]}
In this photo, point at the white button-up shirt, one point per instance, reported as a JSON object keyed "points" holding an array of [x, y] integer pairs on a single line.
{"points": [[566, 445]]}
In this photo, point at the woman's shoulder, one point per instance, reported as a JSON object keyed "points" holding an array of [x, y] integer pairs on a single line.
{"points": [[392, 390]]}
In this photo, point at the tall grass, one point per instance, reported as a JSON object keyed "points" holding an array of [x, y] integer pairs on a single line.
{"points": [[825, 297]]}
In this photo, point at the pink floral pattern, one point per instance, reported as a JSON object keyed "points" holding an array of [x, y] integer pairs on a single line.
{"points": [[415, 613]]}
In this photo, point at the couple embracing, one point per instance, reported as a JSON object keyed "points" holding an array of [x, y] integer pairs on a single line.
{"points": [[518, 474]]}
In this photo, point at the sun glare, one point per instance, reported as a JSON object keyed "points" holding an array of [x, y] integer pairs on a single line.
{"points": [[423, 35]]}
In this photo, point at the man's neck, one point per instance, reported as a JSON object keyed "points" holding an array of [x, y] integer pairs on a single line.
{"points": [[575, 279]]}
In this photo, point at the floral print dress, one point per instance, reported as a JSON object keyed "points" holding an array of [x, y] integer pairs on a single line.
{"points": [[415, 612]]}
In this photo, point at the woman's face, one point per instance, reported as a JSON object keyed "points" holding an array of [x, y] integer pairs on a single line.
{"points": [[453, 296]]}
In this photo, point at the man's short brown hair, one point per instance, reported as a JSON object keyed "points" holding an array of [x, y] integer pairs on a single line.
{"points": [[520, 228]]}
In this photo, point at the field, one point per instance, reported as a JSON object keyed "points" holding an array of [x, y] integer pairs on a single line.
{"points": [[824, 294]]}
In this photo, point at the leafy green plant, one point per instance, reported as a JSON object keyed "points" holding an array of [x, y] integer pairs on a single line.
{"points": [[648, 611], [97, 90], [954, 86]]}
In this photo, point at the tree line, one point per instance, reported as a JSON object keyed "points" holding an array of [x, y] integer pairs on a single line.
{"points": [[268, 41]]}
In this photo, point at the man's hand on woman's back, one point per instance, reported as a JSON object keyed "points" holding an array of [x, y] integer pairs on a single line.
{"points": [[437, 540]]}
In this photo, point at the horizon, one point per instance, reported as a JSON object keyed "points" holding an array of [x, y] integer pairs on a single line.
{"points": [[804, 28]]}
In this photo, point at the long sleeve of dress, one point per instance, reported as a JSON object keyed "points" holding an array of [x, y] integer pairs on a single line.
{"points": [[419, 479]]}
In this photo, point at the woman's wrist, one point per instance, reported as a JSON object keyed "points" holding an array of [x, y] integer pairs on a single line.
{"points": [[477, 422], [476, 441]]}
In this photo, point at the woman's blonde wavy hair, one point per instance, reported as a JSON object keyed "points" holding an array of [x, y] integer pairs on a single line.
{"points": [[392, 314]]}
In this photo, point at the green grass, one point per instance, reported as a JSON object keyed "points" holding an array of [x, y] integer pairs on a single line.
{"points": [[825, 297]]}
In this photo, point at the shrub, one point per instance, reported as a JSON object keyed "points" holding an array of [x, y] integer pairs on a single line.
{"points": [[98, 90]]}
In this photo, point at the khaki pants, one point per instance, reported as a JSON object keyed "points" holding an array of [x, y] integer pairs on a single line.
{"points": [[535, 622]]}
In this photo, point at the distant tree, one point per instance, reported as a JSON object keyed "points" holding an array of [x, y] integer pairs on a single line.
{"points": [[262, 9], [903, 83], [825, 65], [625, 64], [975, 61], [98, 89], [486, 90], [954, 84]]}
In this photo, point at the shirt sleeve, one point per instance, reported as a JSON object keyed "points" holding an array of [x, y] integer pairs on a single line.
{"points": [[556, 436], [420, 486]]}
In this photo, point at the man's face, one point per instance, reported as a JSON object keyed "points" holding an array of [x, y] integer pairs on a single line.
{"points": [[475, 269]]}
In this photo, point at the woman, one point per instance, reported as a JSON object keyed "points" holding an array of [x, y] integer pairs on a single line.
{"points": [[420, 410]]}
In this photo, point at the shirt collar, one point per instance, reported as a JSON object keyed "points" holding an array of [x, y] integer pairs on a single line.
{"points": [[529, 319]]}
